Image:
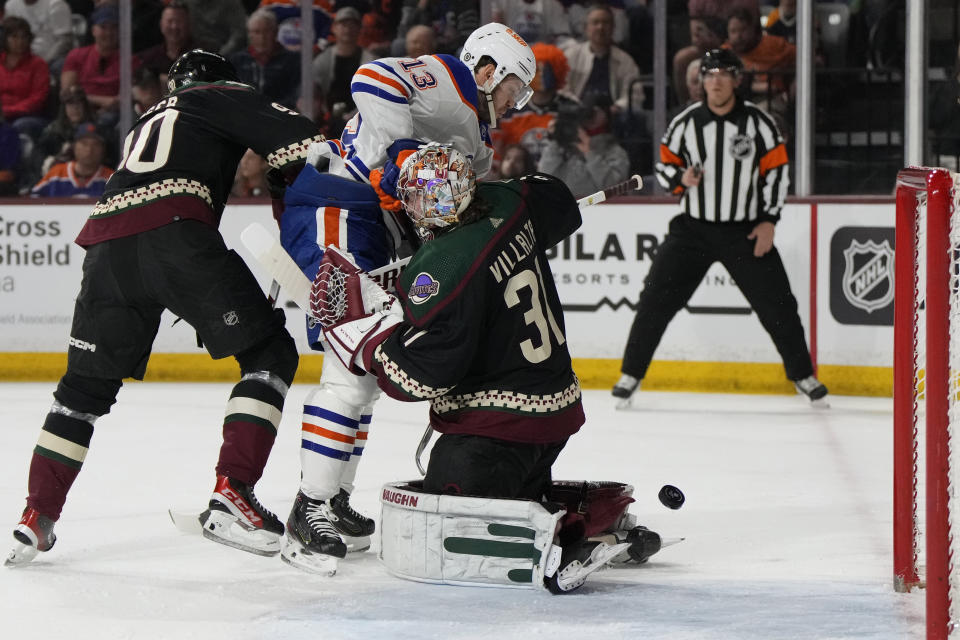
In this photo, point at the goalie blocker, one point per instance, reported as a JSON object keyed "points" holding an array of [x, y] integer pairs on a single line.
{"points": [[478, 541]]}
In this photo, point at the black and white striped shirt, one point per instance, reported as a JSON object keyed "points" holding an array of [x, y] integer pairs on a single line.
{"points": [[744, 160]]}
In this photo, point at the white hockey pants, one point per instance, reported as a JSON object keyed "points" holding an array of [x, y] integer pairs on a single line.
{"points": [[336, 421]]}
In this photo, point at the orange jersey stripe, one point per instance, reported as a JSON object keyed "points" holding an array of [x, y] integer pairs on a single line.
{"points": [[370, 73], [326, 433], [361, 435], [776, 157], [455, 85], [331, 226]]}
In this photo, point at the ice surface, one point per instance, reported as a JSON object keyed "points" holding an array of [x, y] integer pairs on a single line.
{"points": [[787, 520]]}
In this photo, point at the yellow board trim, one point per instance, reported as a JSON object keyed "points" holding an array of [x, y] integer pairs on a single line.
{"points": [[594, 373], [163, 367], [736, 377]]}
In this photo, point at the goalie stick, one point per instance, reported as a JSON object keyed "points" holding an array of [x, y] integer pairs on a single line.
{"points": [[633, 183]]}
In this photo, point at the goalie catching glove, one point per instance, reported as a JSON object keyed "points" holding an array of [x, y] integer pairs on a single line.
{"points": [[355, 312]]}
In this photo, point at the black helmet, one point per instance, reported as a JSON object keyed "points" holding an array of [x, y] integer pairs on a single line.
{"points": [[199, 66], [721, 59]]}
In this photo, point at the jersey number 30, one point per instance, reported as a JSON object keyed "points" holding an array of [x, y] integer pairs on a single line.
{"points": [[534, 316]]}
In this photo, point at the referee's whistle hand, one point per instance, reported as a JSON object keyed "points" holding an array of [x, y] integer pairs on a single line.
{"points": [[763, 234], [691, 177]]}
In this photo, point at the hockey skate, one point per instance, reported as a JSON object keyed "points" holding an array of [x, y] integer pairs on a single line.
{"points": [[236, 518], [579, 561], [34, 533], [355, 527], [641, 544], [312, 543], [624, 389], [815, 390]]}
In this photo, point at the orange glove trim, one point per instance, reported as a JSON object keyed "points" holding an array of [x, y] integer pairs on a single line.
{"points": [[387, 201]]}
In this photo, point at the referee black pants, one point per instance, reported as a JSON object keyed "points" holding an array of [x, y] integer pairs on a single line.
{"points": [[679, 266]]}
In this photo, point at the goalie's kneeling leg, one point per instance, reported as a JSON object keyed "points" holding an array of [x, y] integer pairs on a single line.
{"points": [[603, 508], [463, 540]]}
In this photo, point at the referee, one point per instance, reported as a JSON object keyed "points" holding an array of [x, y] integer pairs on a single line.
{"points": [[726, 159]]}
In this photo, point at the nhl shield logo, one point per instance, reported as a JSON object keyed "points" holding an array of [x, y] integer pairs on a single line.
{"points": [[741, 146], [230, 318], [868, 275]]}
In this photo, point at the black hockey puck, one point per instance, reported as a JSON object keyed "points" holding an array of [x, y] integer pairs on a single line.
{"points": [[671, 497]]}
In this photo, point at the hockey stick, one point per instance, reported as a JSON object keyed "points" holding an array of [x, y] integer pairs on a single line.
{"points": [[424, 441], [634, 183], [274, 294], [278, 264], [267, 250]]}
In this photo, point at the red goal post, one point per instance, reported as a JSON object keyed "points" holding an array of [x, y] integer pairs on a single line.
{"points": [[925, 396]]}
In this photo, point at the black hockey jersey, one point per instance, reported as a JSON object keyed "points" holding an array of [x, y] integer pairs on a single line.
{"points": [[483, 337], [180, 158]]}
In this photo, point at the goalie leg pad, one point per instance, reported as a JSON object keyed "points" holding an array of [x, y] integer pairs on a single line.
{"points": [[463, 540]]}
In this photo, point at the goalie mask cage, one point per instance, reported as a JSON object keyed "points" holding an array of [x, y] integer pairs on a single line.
{"points": [[926, 405]]}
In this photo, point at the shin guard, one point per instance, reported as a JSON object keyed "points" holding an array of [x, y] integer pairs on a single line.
{"points": [[250, 426], [58, 458]]}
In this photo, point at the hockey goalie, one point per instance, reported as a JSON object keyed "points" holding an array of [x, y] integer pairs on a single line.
{"points": [[477, 330]]}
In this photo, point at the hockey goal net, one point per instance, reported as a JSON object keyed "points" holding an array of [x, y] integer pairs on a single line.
{"points": [[926, 395]]}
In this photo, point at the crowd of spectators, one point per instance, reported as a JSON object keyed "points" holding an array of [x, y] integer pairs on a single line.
{"points": [[589, 120]]}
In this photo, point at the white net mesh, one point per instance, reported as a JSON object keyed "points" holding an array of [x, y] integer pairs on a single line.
{"points": [[919, 375]]}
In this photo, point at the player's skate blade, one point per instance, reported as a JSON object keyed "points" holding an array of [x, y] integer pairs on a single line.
{"points": [[33, 534], [186, 521], [296, 555], [228, 529], [574, 572], [623, 404], [21, 554], [356, 545]]}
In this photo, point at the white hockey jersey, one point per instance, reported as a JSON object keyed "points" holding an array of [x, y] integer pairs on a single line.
{"points": [[433, 97]]}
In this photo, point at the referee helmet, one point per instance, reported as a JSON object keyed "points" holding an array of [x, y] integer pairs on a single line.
{"points": [[722, 59]]}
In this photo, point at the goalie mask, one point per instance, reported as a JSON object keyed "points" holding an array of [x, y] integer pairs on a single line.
{"points": [[436, 185]]}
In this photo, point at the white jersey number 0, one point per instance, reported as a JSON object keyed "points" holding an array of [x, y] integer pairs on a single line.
{"points": [[132, 160]]}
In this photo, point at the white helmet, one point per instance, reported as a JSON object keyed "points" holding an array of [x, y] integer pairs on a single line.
{"points": [[510, 52], [436, 185]]}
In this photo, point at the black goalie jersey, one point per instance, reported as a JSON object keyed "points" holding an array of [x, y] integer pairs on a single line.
{"points": [[176, 166], [483, 337]]}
